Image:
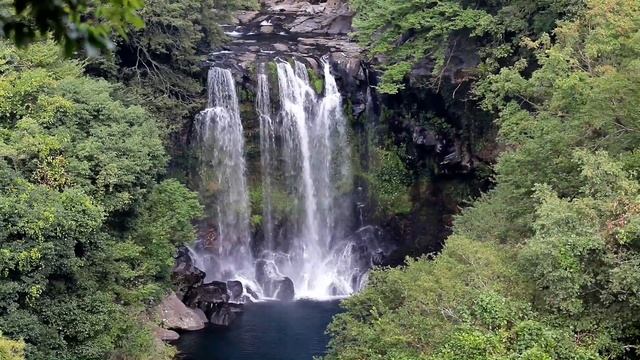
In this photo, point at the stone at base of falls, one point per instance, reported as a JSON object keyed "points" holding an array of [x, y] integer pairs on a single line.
{"points": [[185, 275], [273, 284], [201, 315], [236, 290], [206, 295], [165, 334], [175, 315], [224, 315], [285, 290], [252, 294]]}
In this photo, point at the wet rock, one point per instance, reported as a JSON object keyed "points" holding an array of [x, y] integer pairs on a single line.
{"points": [[235, 290], [424, 137], [264, 271], [244, 17], [306, 24], [313, 63], [223, 315], [201, 315], [281, 47], [274, 284], [185, 275], [285, 291], [165, 335], [174, 314], [207, 296], [252, 293], [340, 25]]}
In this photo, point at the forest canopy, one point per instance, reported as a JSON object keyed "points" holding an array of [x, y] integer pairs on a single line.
{"points": [[544, 266], [75, 273], [398, 34]]}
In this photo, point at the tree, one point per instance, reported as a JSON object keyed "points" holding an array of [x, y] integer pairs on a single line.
{"points": [[11, 350], [83, 24], [79, 177], [545, 265], [403, 33]]}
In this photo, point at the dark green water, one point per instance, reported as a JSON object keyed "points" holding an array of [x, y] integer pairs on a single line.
{"points": [[265, 331]]}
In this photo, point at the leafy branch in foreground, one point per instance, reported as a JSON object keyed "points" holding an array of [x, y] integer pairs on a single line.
{"points": [[76, 24]]}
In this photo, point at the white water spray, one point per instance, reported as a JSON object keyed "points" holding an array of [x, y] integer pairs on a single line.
{"points": [[316, 157], [222, 174]]}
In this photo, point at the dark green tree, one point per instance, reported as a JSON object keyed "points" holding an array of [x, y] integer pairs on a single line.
{"points": [[76, 24], [80, 253], [544, 266], [402, 33]]}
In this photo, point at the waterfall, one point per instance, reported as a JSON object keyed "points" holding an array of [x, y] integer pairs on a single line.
{"points": [[316, 157], [267, 154], [306, 184], [222, 174]]}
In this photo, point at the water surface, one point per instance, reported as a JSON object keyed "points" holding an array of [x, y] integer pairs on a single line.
{"points": [[265, 331]]}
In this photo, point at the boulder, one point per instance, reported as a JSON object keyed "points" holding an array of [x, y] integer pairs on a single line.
{"points": [[165, 334], [236, 290], [185, 275], [272, 282], [201, 315], [223, 316], [174, 314], [207, 296], [285, 290]]}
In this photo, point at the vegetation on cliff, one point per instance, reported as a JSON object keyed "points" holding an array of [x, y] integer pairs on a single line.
{"points": [[88, 230], [544, 266], [403, 33], [11, 350], [89, 226], [86, 25], [161, 63]]}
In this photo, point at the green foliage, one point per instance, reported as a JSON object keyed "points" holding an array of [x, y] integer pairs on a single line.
{"points": [[545, 266], [11, 350], [161, 63], [403, 33], [87, 233], [163, 222], [464, 304], [573, 100], [283, 206], [317, 82], [83, 24], [389, 180]]}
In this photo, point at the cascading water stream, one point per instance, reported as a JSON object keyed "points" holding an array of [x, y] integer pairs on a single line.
{"points": [[316, 160], [222, 172], [305, 163], [267, 153]]}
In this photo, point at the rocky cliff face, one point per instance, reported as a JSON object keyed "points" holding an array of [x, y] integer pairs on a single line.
{"points": [[308, 31], [289, 28], [447, 143]]}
